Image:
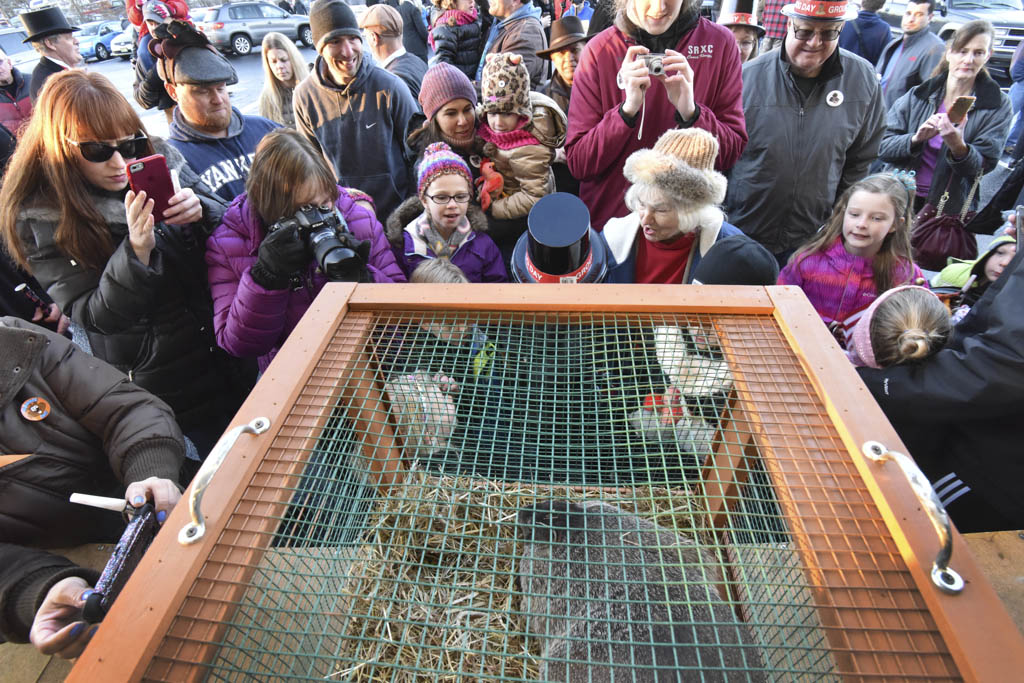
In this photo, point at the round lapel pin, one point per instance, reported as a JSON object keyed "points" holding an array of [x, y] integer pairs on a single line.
{"points": [[35, 409], [834, 98]]}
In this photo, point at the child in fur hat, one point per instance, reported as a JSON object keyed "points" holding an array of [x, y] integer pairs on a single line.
{"points": [[675, 218], [443, 222], [521, 132]]}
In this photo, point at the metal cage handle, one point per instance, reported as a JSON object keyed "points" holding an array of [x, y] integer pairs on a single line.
{"points": [[196, 529], [943, 575]]}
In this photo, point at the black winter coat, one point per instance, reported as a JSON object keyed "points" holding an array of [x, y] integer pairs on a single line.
{"points": [[459, 46], [988, 124], [959, 412], [414, 29], [155, 323]]}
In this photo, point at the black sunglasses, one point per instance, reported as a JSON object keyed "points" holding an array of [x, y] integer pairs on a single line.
{"points": [[98, 152]]}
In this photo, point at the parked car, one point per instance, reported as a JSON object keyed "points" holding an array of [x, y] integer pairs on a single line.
{"points": [[122, 45], [95, 37], [23, 55], [237, 26], [1007, 16]]}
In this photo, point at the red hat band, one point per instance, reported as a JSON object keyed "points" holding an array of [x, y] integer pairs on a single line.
{"points": [[823, 9], [740, 18]]}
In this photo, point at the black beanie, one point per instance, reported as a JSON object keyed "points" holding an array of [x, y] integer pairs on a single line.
{"points": [[736, 260], [330, 19]]}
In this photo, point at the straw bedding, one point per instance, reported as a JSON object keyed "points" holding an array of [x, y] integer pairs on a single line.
{"points": [[434, 588]]}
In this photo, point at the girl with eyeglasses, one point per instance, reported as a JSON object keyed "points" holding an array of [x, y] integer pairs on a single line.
{"points": [[134, 285], [443, 221], [262, 269]]}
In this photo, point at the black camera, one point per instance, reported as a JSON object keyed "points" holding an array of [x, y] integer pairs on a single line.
{"points": [[327, 234]]}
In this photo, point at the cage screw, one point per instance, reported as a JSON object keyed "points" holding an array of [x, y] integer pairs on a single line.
{"points": [[191, 532]]}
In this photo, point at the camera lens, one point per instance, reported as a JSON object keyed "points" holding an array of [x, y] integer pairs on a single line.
{"points": [[334, 258]]}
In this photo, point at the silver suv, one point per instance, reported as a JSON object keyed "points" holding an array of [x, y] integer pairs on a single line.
{"points": [[237, 26]]}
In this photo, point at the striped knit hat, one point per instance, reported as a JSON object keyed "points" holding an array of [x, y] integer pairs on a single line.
{"points": [[438, 160]]}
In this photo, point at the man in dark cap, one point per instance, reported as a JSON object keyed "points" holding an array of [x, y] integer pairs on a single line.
{"points": [[216, 139], [52, 37], [354, 112]]}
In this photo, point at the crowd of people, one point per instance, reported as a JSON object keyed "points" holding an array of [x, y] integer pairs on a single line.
{"points": [[458, 144]]}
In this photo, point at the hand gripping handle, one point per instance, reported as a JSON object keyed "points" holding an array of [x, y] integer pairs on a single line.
{"points": [[194, 530], [943, 576]]}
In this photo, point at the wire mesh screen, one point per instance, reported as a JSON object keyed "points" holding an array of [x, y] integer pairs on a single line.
{"points": [[477, 496]]}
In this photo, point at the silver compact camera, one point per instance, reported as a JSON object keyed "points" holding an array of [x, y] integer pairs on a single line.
{"points": [[654, 63]]}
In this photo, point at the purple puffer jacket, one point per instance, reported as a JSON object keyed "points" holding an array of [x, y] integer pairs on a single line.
{"points": [[251, 321]]}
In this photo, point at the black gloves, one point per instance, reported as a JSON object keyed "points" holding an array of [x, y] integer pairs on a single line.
{"points": [[282, 253]]}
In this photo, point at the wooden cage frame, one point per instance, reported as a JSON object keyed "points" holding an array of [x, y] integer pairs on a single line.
{"points": [[981, 638]]}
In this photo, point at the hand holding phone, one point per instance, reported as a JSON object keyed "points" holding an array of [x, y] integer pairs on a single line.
{"points": [[150, 175], [959, 110]]}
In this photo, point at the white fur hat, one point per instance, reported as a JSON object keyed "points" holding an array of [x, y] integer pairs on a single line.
{"points": [[682, 166]]}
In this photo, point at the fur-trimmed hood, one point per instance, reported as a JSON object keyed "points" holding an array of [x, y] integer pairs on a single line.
{"points": [[675, 178], [410, 210]]}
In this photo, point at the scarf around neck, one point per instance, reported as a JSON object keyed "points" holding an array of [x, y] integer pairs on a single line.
{"points": [[520, 137], [451, 17], [439, 245]]}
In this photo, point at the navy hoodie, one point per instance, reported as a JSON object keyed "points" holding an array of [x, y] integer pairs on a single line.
{"points": [[222, 163], [874, 35], [360, 129]]}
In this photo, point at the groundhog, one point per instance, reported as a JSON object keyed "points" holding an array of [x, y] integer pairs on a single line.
{"points": [[613, 597]]}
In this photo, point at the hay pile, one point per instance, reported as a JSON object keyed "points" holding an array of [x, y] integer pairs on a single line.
{"points": [[433, 593]]}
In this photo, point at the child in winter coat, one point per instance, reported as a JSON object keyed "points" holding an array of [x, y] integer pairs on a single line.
{"points": [[521, 132], [863, 250], [904, 325], [443, 222], [454, 35], [262, 270], [986, 269]]}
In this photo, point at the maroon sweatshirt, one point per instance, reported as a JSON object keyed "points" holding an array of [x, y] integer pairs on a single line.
{"points": [[599, 140]]}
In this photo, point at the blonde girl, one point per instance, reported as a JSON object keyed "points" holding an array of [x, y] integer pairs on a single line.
{"points": [[862, 251], [904, 325]]}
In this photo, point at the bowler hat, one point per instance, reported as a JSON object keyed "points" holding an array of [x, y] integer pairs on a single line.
{"points": [[564, 32], [821, 10], [48, 21], [559, 245]]}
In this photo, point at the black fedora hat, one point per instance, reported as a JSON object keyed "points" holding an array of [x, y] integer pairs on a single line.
{"points": [[564, 32], [559, 245], [48, 21]]}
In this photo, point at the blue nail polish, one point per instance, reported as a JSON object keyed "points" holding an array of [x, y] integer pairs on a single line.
{"points": [[93, 631], [85, 595], [138, 500], [76, 629], [161, 516]]}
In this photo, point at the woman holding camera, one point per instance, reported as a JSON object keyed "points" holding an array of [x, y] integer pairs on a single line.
{"points": [[134, 285], [291, 232]]}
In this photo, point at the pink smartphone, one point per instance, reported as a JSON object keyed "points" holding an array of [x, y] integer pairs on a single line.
{"points": [[150, 175]]}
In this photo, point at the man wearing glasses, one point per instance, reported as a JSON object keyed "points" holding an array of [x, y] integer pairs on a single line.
{"points": [[814, 118]]}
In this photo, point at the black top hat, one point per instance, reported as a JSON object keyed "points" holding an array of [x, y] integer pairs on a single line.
{"points": [[48, 21], [564, 32], [559, 245]]}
